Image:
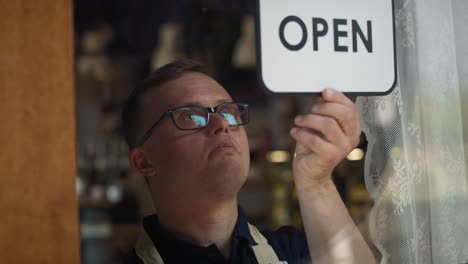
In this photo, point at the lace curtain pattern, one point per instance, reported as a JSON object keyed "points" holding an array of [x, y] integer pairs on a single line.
{"points": [[416, 160]]}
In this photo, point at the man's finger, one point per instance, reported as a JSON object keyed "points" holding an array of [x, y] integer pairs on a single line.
{"points": [[346, 116], [316, 144], [326, 126], [331, 95]]}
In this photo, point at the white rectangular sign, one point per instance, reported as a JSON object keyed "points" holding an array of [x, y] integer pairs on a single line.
{"points": [[305, 46]]}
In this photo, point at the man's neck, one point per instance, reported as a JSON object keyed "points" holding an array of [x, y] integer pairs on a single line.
{"points": [[202, 225]]}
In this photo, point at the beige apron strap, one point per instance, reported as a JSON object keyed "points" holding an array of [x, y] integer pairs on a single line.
{"points": [[263, 251], [146, 250]]}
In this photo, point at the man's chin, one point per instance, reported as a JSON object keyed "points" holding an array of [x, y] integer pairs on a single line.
{"points": [[229, 165], [226, 180]]}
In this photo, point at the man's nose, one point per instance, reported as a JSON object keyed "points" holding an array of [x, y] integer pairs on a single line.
{"points": [[218, 124]]}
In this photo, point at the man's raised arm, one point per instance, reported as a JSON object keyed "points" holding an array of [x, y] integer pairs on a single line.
{"points": [[324, 137]]}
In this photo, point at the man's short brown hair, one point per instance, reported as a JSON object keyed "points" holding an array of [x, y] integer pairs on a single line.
{"points": [[132, 111]]}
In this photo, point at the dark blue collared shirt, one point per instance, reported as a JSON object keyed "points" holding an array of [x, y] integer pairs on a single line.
{"points": [[289, 244]]}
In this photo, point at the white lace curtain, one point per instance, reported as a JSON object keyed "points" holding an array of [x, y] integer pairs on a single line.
{"points": [[416, 160]]}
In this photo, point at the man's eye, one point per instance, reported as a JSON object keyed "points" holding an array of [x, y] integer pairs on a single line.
{"points": [[197, 119], [230, 118], [189, 116]]}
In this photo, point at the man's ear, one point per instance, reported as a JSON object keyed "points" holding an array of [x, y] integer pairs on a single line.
{"points": [[141, 163]]}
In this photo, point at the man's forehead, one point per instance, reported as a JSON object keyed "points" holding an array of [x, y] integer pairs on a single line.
{"points": [[190, 86], [189, 89]]}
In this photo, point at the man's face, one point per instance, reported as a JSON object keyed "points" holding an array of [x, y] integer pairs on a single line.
{"points": [[205, 164]]}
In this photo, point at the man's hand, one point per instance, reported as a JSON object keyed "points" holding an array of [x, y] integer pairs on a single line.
{"points": [[324, 137]]}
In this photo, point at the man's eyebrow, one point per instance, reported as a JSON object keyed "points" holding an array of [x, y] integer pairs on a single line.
{"points": [[198, 103]]}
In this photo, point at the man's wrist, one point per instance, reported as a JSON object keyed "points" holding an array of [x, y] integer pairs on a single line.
{"points": [[322, 185]]}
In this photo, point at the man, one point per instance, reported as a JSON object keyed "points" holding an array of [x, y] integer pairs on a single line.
{"points": [[186, 137]]}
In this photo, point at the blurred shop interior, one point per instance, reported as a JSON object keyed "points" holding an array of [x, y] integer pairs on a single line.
{"points": [[118, 43]]}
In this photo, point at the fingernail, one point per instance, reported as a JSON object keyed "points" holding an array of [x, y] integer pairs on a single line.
{"points": [[329, 91], [294, 130], [298, 119]]}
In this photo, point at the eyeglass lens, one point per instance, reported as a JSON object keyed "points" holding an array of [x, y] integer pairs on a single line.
{"points": [[197, 117]]}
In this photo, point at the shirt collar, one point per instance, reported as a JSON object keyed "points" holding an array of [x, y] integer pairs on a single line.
{"points": [[169, 246], [166, 243], [241, 230]]}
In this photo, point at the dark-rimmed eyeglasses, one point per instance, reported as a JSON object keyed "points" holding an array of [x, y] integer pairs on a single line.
{"points": [[193, 117]]}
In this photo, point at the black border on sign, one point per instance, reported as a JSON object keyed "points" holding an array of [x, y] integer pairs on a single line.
{"points": [[270, 92]]}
